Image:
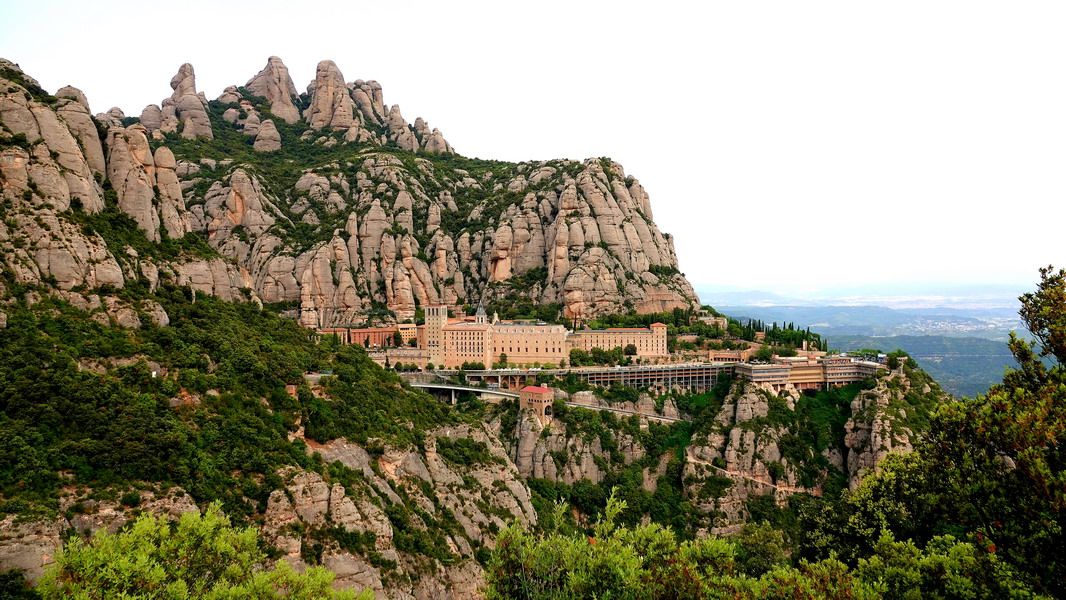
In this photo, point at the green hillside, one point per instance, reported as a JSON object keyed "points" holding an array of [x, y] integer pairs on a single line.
{"points": [[963, 366]]}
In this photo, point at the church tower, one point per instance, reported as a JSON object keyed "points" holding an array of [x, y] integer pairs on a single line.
{"points": [[436, 319]]}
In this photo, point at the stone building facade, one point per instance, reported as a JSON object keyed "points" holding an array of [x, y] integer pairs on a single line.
{"points": [[805, 373], [539, 400], [650, 342], [450, 342]]}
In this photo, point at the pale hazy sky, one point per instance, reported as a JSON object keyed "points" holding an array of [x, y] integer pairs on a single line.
{"points": [[783, 143]]}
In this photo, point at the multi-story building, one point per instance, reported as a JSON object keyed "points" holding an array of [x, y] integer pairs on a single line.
{"points": [[452, 342], [527, 343], [730, 355], [436, 320], [370, 337], [650, 342], [539, 400], [806, 373], [467, 342], [408, 332]]}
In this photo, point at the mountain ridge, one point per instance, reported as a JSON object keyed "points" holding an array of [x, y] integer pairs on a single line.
{"points": [[328, 201]]}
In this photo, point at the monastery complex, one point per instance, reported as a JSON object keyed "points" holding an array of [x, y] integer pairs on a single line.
{"points": [[448, 342]]}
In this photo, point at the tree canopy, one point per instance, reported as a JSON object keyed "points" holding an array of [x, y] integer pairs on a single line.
{"points": [[199, 556]]}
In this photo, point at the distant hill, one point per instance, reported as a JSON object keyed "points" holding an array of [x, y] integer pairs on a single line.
{"points": [[964, 366], [994, 324]]}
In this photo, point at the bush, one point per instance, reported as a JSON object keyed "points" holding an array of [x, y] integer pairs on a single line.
{"points": [[202, 556]]}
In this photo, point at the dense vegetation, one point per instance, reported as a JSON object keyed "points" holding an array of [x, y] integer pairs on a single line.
{"points": [[648, 562], [200, 556], [199, 404]]}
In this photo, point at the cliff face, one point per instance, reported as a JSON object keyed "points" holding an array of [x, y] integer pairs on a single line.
{"points": [[565, 450], [778, 444], [405, 523], [328, 201], [756, 442]]}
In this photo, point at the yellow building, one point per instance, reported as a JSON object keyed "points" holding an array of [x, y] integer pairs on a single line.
{"points": [[452, 342], [433, 339], [539, 400], [466, 342], [408, 332], [650, 342], [529, 343]]}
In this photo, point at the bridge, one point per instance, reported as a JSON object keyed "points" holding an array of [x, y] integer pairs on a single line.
{"points": [[452, 389], [695, 377]]}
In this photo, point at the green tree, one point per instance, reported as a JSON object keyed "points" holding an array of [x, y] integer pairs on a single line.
{"points": [[630, 350], [990, 471], [760, 549], [1000, 459], [200, 556], [13, 586], [648, 563]]}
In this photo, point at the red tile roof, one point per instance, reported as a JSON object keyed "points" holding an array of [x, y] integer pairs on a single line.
{"points": [[536, 389]]}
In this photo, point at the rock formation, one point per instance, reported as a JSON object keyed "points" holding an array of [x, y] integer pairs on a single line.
{"points": [[189, 106], [482, 499], [752, 448], [372, 227], [331, 102], [267, 138], [274, 84]]}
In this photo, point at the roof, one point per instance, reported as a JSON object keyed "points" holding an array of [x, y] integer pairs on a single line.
{"points": [[536, 389], [658, 325]]}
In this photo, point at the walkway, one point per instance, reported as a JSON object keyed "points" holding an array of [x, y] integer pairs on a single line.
{"points": [[735, 474], [628, 412]]}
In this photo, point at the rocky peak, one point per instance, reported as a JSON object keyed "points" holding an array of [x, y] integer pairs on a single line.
{"points": [[274, 84], [381, 229], [183, 82], [267, 139], [74, 94], [7, 64], [370, 100], [229, 95], [186, 106], [331, 104]]}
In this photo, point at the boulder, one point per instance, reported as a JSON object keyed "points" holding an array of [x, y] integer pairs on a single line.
{"points": [[268, 139], [229, 95]]}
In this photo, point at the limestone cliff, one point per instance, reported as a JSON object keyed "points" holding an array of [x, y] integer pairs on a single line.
{"points": [[778, 444], [328, 202], [562, 452], [750, 441]]}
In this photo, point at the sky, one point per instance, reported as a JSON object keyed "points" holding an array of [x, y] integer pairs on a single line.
{"points": [[785, 145]]}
